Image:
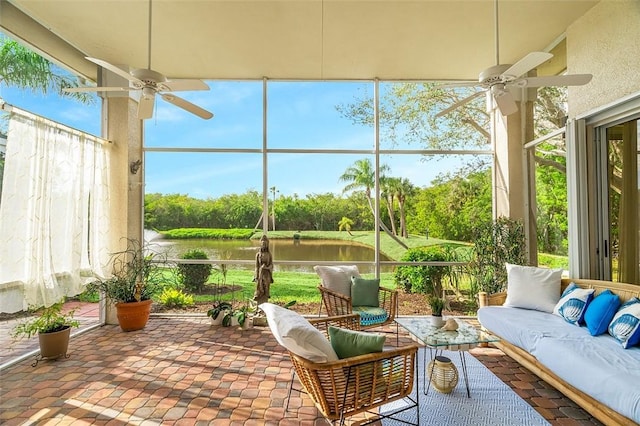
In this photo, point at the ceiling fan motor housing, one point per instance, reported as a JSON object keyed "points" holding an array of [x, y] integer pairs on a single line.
{"points": [[493, 75], [150, 78]]}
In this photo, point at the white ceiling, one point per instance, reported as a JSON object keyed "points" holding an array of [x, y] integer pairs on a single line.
{"points": [[294, 39]]}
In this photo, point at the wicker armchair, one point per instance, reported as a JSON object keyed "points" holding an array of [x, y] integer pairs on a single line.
{"points": [[338, 304], [350, 386]]}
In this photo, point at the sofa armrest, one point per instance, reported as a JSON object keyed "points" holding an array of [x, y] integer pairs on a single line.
{"points": [[486, 299]]}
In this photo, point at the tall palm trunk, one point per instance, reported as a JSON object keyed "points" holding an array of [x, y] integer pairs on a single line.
{"points": [[384, 227], [403, 219], [391, 213]]}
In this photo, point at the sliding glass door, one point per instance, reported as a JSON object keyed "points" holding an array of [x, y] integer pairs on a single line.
{"points": [[619, 202]]}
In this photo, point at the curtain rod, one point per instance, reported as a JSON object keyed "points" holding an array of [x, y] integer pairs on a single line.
{"points": [[10, 108]]}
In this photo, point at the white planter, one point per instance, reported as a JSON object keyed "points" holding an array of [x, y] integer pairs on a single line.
{"points": [[437, 321], [217, 321], [248, 323]]}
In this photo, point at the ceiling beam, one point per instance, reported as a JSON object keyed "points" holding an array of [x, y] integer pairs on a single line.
{"points": [[27, 31]]}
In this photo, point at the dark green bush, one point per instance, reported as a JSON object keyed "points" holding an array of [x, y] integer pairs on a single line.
{"points": [[424, 279], [194, 276], [495, 244]]}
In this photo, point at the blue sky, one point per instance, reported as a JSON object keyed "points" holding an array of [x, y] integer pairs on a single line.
{"points": [[301, 115]]}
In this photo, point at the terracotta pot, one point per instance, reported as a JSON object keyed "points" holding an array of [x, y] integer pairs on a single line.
{"points": [[54, 345], [133, 316]]}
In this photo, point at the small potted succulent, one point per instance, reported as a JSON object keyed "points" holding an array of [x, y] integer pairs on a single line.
{"points": [[53, 328], [437, 305], [218, 311]]}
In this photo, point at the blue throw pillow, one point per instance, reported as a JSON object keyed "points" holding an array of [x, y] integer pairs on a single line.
{"points": [[600, 312], [573, 303], [625, 325]]}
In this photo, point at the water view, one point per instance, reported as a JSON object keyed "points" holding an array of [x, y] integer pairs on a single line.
{"points": [[282, 250]]}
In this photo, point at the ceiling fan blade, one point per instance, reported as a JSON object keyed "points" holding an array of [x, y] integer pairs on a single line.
{"points": [[187, 106], [525, 65], [555, 80], [145, 107], [459, 84], [459, 104], [97, 89], [114, 69], [183, 85], [506, 104]]}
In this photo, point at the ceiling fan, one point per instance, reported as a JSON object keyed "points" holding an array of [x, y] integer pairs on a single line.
{"points": [[150, 83], [499, 78]]}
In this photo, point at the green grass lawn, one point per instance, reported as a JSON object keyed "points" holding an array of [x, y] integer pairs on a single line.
{"points": [[288, 286], [302, 286]]}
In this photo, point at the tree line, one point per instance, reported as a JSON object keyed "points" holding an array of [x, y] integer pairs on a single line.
{"points": [[449, 209]]}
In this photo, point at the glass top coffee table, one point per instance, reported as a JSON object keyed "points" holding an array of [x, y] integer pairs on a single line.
{"points": [[466, 337]]}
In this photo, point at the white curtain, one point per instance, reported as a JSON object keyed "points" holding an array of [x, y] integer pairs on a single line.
{"points": [[53, 212]]}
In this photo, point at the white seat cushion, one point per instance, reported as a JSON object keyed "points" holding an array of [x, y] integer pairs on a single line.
{"points": [[297, 335]]}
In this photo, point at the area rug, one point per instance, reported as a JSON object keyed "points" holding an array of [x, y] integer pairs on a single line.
{"points": [[492, 402]]}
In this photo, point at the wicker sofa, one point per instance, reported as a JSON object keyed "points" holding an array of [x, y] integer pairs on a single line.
{"points": [[561, 347]]}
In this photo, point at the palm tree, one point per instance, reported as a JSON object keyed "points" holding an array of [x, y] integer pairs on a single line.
{"points": [[345, 223], [403, 190], [361, 176], [390, 189], [25, 69]]}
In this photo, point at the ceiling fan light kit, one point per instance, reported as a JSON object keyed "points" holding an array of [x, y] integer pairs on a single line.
{"points": [[150, 83]]}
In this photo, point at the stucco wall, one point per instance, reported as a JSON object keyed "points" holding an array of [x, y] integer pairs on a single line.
{"points": [[605, 42]]}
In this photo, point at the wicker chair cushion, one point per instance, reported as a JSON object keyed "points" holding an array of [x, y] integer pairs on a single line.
{"points": [[297, 335], [337, 278], [364, 292], [370, 315], [349, 343]]}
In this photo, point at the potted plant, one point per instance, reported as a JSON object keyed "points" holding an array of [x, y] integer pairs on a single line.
{"points": [[437, 305], [218, 311], [240, 316], [53, 328], [137, 274]]}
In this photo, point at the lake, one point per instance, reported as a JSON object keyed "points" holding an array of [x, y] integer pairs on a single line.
{"points": [[282, 250]]}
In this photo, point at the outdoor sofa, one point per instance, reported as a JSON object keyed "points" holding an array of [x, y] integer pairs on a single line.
{"points": [[596, 372]]}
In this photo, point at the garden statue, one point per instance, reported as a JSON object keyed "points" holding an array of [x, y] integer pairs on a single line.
{"points": [[264, 272]]}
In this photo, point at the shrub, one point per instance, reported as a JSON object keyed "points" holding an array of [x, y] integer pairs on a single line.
{"points": [[172, 298], [193, 276], [495, 244], [424, 279], [208, 233]]}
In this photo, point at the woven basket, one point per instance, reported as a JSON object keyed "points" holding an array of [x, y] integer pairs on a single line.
{"points": [[444, 375]]}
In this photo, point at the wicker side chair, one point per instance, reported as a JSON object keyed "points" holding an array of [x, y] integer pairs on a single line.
{"points": [[347, 387], [339, 304]]}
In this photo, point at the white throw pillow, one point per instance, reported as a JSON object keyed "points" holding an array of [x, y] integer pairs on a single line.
{"points": [[297, 335], [337, 278], [530, 287]]}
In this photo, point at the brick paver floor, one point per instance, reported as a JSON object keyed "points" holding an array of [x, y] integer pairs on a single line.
{"points": [[183, 371]]}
